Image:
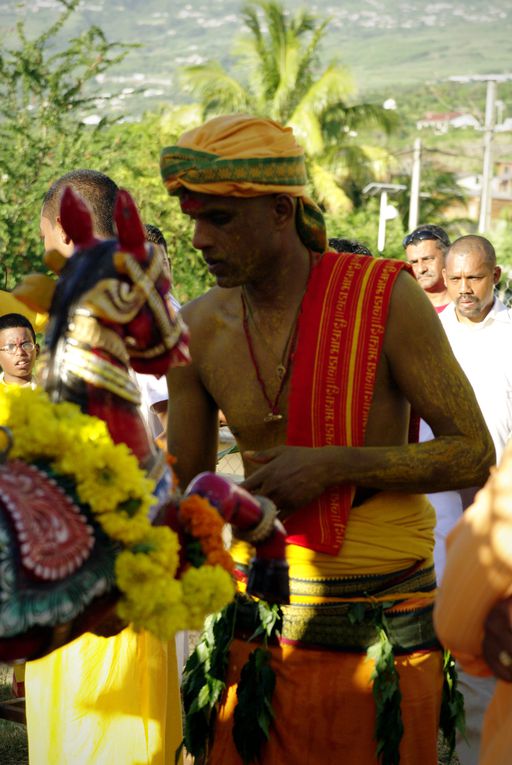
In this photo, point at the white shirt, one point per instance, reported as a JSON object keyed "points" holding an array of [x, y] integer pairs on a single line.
{"points": [[484, 351], [32, 383], [153, 390], [448, 507]]}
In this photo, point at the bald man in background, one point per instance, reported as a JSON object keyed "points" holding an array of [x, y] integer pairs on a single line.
{"points": [[479, 328]]}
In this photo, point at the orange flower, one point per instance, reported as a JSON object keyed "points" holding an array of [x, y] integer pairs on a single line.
{"points": [[221, 558], [203, 522]]}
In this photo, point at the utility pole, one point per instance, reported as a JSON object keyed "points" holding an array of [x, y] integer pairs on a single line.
{"points": [[484, 221], [414, 202], [487, 171]]}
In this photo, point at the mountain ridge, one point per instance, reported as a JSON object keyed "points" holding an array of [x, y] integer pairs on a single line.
{"points": [[384, 44]]}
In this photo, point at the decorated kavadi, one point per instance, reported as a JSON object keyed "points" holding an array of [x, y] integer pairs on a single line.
{"points": [[94, 533]]}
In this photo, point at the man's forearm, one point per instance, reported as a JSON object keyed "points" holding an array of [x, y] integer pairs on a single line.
{"points": [[448, 462]]}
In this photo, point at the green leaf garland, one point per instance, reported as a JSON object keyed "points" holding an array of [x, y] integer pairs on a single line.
{"points": [[452, 717]]}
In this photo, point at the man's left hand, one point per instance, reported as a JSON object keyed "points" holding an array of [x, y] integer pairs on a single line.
{"points": [[291, 476]]}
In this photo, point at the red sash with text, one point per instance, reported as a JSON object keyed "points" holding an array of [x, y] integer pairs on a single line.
{"points": [[340, 337]]}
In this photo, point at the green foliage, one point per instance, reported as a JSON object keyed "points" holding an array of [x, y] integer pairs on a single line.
{"points": [[389, 727], [204, 679], [205, 673], [439, 191], [130, 155], [362, 224], [43, 97], [43, 94], [253, 713], [452, 705], [501, 237]]}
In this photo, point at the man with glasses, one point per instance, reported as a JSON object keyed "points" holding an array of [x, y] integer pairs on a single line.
{"points": [[18, 353], [425, 249], [18, 350]]}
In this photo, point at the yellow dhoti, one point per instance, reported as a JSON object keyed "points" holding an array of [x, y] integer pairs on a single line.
{"points": [[105, 701]]}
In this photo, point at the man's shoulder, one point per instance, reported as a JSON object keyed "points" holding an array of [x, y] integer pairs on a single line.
{"points": [[215, 298], [210, 315], [502, 312]]}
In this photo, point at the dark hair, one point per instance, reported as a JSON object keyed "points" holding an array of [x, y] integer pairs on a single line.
{"points": [[153, 234], [349, 245], [15, 320], [428, 232], [97, 189]]}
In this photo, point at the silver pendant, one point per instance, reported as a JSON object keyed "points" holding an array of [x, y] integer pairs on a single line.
{"points": [[280, 371], [271, 417]]}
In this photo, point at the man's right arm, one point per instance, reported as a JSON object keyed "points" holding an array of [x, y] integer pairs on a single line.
{"points": [[192, 418]]}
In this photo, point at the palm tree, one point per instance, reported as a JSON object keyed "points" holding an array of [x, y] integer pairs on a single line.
{"points": [[279, 76]]}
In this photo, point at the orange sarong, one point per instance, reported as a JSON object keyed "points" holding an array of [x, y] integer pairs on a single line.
{"points": [[323, 702], [325, 712]]}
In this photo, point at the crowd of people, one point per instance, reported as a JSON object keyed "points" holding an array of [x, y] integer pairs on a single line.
{"points": [[370, 420]]}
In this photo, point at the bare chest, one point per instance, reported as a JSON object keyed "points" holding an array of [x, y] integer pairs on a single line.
{"points": [[249, 379]]}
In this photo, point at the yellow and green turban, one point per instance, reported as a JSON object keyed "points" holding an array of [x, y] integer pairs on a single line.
{"points": [[243, 156]]}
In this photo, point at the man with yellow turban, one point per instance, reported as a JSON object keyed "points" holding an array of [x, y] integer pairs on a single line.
{"points": [[316, 359]]}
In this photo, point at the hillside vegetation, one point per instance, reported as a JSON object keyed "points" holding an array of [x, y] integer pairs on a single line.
{"points": [[386, 45]]}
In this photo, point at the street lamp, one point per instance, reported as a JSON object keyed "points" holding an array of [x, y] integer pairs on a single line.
{"points": [[386, 211]]}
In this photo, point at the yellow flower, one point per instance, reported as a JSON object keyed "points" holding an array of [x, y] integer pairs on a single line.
{"points": [[163, 548], [120, 526], [109, 479], [137, 573], [109, 475], [166, 622], [205, 591], [159, 608]]}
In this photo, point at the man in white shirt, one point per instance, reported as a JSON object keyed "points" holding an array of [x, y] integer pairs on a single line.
{"points": [[479, 328]]}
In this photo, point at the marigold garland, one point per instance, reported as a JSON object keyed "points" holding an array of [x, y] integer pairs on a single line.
{"points": [[109, 480], [204, 523]]}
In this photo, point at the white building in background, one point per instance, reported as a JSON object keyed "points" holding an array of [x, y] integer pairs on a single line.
{"points": [[505, 126], [501, 190], [441, 122]]}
